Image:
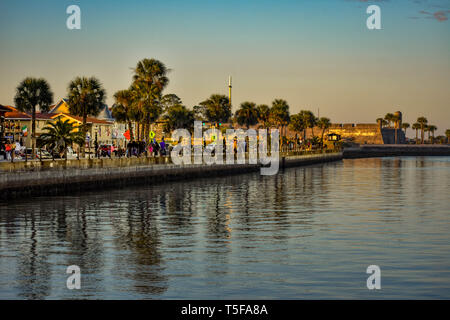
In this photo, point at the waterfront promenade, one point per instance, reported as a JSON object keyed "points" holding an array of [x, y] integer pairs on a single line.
{"points": [[30, 178]]}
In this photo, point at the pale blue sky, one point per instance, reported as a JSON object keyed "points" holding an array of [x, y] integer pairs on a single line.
{"points": [[314, 54]]}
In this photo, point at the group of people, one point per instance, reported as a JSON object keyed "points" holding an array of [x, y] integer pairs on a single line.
{"points": [[9, 149], [154, 148]]}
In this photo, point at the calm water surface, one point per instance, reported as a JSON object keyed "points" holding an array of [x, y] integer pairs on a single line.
{"points": [[308, 232]]}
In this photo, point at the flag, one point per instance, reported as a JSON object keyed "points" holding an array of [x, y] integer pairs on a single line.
{"points": [[126, 134], [24, 131]]}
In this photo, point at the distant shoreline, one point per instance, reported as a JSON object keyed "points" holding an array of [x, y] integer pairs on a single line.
{"points": [[389, 150]]}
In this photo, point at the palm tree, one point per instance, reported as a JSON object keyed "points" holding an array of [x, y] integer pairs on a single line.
{"points": [[405, 126], [264, 114], [432, 129], [33, 93], [381, 122], [149, 81], [296, 123], [86, 98], [247, 114], [447, 134], [279, 113], [323, 123], [422, 121], [310, 120], [216, 109], [395, 119], [61, 134], [416, 126], [122, 109], [389, 117]]}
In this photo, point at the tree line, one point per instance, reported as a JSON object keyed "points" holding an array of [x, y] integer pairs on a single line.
{"points": [[421, 125], [143, 102]]}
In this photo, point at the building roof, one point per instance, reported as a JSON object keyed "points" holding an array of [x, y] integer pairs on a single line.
{"points": [[105, 114], [15, 114]]}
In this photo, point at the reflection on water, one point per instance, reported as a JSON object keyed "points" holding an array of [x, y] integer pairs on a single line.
{"points": [[305, 233]]}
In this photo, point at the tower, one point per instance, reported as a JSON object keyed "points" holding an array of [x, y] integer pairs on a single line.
{"points": [[229, 89]]}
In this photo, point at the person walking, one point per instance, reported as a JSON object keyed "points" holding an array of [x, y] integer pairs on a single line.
{"points": [[163, 147]]}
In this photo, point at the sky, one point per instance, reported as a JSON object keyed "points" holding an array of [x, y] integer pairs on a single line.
{"points": [[316, 54]]}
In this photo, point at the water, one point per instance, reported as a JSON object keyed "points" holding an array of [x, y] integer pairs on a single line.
{"points": [[309, 232]]}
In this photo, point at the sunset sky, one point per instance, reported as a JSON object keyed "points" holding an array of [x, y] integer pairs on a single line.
{"points": [[314, 54]]}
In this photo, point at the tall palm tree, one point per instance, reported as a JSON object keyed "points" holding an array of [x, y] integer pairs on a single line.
{"points": [[216, 108], [405, 126], [149, 81], [33, 93], [432, 129], [264, 115], [447, 134], [323, 123], [247, 114], [396, 120], [422, 121], [61, 135], [122, 109], [86, 98], [416, 126], [279, 113]]}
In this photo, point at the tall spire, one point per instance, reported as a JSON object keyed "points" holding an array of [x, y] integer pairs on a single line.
{"points": [[229, 89]]}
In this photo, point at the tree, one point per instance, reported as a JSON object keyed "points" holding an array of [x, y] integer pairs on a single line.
{"points": [[422, 121], [389, 117], [323, 123], [382, 122], [170, 100], [447, 134], [86, 98], [122, 109], [247, 114], [279, 113], [61, 135], [146, 107], [396, 119], [264, 115], [149, 81], [296, 123], [405, 126], [310, 120], [216, 109], [33, 93], [416, 126], [432, 129], [179, 117]]}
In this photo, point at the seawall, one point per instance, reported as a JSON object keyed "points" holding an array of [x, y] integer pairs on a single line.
{"points": [[34, 178], [369, 151]]}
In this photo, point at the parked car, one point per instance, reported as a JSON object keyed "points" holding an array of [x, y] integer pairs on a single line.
{"points": [[70, 154], [39, 154]]}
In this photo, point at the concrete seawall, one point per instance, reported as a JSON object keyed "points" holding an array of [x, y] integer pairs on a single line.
{"points": [[369, 151], [59, 177]]}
